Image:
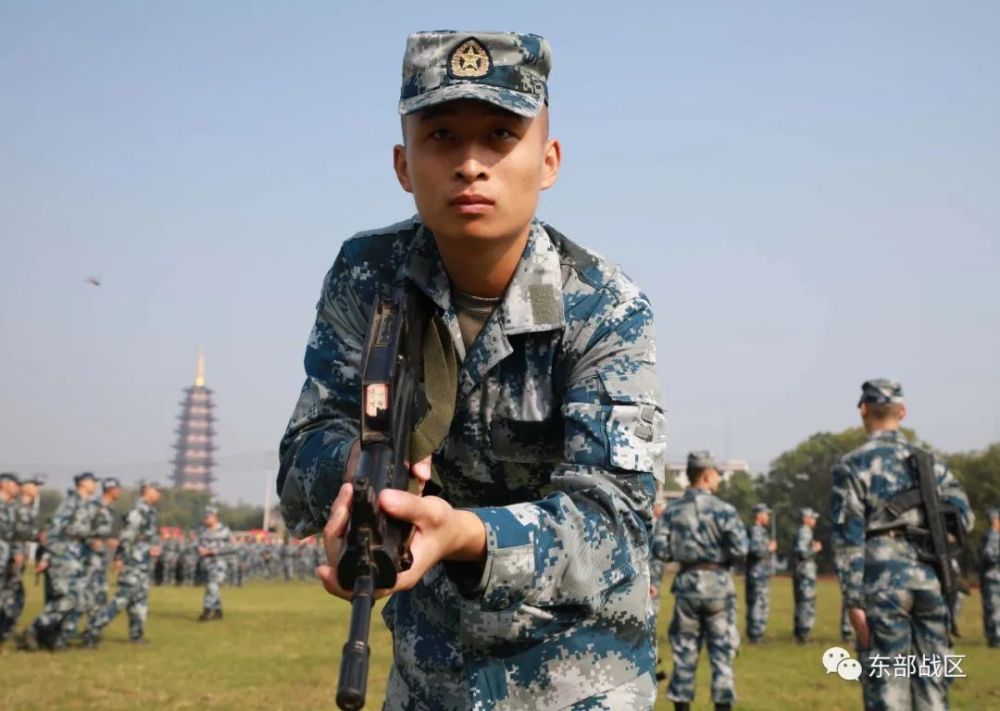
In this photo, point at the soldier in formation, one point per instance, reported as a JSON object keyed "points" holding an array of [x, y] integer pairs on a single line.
{"points": [[804, 575], [758, 575], [214, 545], [25, 531], [66, 542], [894, 597], [706, 537], [138, 547]]}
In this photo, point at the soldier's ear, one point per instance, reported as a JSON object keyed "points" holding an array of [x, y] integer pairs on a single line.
{"points": [[402, 168], [902, 412]]}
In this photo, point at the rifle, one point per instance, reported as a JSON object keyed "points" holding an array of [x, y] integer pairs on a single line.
{"points": [[946, 534], [374, 549]]}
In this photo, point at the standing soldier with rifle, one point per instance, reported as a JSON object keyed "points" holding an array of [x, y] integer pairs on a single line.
{"points": [[9, 565], [215, 542], [898, 516], [760, 566], [804, 575], [526, 582]]}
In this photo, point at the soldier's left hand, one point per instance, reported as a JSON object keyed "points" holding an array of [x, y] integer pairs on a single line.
{"points": [[817, 546]]}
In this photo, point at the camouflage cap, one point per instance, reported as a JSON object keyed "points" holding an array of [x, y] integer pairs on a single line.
{"points": [[993, 514], [808, 513], [701, 459], [9, 476], [209, 510], [881, 392], [760, 508], [505, 69], [110, 483], [36, 479], [83, 476]]}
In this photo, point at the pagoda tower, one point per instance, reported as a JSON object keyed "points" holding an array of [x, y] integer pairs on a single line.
{"points": [[193, 459]]}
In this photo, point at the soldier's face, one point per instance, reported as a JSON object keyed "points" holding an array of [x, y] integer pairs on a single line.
{"points": [[29, 491], [475, 171], [9, 488], [88, 487]]}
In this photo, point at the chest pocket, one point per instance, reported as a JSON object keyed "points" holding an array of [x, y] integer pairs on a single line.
{"points": [[527, 441]]}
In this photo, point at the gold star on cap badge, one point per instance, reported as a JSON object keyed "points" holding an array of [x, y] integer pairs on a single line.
{"points": [[470, 60]]}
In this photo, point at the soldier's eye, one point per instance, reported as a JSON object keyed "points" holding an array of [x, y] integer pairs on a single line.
{"points": [[441, 134], [502, 134]]}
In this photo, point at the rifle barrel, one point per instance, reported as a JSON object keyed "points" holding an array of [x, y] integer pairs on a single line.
{"points": [[353, 680]]}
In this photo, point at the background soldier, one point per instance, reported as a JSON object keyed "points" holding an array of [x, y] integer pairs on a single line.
{"points": [[138, 546], [989, 578], [189, 559], [25, 531], [705, 535], [804, 576], [895, 599], [214, 543], [66, 546], [95, 561], [170, 556], [9, 490], [759, 570]]}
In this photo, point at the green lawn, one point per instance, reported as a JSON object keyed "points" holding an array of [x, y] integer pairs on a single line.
{"points": [[279, 648]]}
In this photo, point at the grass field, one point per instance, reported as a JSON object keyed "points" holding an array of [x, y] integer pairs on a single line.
{"points": [[279, 648]]}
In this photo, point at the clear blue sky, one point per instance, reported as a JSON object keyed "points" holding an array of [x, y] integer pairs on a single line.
{"points": [[808, 192]]}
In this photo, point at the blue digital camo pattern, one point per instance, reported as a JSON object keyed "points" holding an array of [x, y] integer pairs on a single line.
{"points": [[138, 537], [12, 589], [66, 547], [989, 580], [219, 540], [701, 528], [506, 69], [10, 577], [758, 582], [556, 437], [95, 560], [804, 582], [900, 594]]}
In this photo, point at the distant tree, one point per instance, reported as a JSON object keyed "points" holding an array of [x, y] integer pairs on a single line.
{"points": [[979, 473], [741, 492]]}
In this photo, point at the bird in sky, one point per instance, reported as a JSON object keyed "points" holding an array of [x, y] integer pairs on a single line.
{"points": [[93, 280]]}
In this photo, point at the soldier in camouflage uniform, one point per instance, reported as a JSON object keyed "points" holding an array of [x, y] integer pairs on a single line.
{"points": [[189, 559], [215, 543], [706, 537], [66, 542], [989, 578], [95, 562], [894, 598], [9, 565], [25, 531], [557, 437], [170, 556], [804, 575], [758, 577], [138, 546]]}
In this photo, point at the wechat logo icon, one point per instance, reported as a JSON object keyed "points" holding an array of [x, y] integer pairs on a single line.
{"points": [[837, 660]]}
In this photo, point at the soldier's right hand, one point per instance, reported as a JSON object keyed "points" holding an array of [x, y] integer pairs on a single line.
{"points": [[817, 546], [772, 546], [119, 564], [333, 540]]}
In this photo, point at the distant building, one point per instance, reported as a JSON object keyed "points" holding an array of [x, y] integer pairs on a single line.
{"points": [[193, 449]]}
